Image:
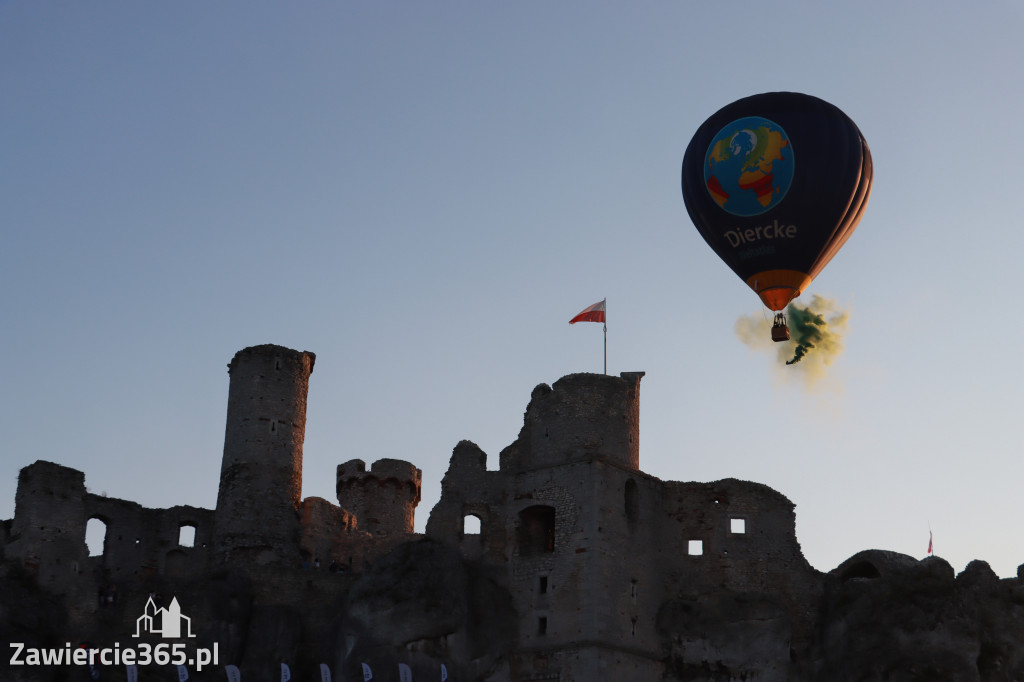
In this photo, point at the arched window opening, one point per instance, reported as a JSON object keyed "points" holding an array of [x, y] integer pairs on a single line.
{"points": [[536, 530], [187, 535], [471, 524], [96, 537], [632, 502]]}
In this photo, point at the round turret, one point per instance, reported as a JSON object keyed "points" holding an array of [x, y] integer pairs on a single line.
{"points": [[383, 499]]}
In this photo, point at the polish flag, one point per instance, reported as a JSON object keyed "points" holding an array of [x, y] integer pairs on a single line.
{"points": [[929, 543], [594, 313]]}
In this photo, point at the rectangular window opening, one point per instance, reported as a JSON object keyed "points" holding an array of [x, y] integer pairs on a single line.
{"points": [[737, 526], [542, 626], [695, 548], [543, 587], [187, 536]]}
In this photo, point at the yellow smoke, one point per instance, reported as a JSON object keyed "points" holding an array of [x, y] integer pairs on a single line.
{"points": [[816, 332]]}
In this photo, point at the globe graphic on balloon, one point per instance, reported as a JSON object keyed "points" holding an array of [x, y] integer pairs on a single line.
{"points": [[749, 166]]}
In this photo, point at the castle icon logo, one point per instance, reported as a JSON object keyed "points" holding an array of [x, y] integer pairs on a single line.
{"points": [[167, 622]]}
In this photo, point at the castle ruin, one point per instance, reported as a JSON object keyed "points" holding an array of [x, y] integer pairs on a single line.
{"points": [[584, 567]]}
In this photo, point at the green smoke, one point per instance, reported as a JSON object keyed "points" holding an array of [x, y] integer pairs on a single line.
{"points": [[816, 338], [807, 330]]}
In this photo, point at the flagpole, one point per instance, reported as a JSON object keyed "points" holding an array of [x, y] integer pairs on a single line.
{"points": [[606, 348]]}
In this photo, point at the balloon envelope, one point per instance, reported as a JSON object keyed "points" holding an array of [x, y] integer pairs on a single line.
{"points": [[775, 184]]}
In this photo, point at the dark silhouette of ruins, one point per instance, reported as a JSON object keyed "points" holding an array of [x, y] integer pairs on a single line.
{"points": [[583, 568]]}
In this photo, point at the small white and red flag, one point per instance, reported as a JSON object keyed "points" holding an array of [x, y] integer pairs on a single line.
{"points": [[929, 543], [594, 313]]}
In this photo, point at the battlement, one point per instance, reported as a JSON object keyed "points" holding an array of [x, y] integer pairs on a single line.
{"points": [[383, 468], [382, 499]]}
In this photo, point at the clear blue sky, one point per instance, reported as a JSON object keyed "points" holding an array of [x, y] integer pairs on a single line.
{"points": [[424, 193]]}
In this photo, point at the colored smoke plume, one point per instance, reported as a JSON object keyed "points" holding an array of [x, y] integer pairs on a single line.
{"points": [[815, 330], [807, 329]]}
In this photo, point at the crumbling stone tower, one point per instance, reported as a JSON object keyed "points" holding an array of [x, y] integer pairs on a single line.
{"points": [[383, 499], [261, 472], [566, 515], [610, 568], [587, 417]]}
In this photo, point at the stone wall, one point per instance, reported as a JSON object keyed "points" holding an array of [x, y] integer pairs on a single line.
{"points": [[468, 489], [140, 540], [324, 527], [740, 577], [583, 567], [49, 533]]}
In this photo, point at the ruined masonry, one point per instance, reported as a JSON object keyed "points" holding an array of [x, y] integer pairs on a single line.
{"points": [[583, 567]]}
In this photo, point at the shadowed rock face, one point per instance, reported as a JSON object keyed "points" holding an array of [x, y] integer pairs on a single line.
{"points": [[424, 604], [227, 609], [27, 615], [882, 616], [889, 617], [726, 636]]}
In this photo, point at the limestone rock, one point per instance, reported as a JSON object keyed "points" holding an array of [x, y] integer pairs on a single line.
{"points": [[423, 599], [726, 636], [891, 617]]}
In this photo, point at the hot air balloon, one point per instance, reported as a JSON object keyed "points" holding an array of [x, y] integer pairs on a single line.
{"points": [[775, 184]]}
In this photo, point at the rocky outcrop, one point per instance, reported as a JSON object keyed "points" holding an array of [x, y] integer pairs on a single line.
{"points": [[882, 616], [887, 616], [726, 636], [425, 605]]}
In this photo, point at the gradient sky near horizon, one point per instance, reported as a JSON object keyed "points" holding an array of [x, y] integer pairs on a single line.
{"points": [[423, 194]]}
